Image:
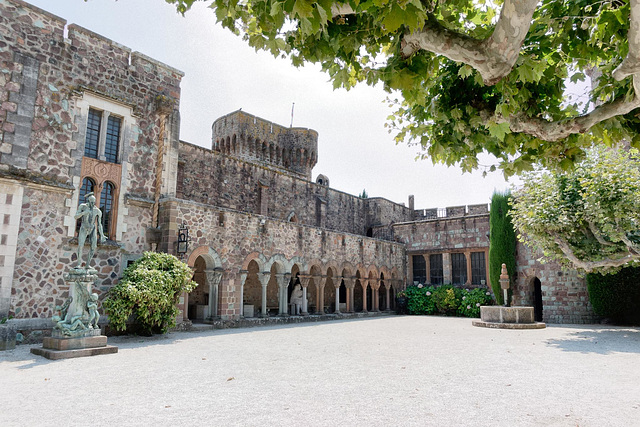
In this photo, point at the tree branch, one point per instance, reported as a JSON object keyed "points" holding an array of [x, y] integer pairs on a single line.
{"points": [[631, 63], [493, 57], [589, 266], [596, 234], [557, 130]]}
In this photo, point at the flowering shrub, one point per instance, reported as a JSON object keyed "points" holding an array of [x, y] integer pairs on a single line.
{"points": [[447, 300], [149, 289], [420, 301], [472, 300]]}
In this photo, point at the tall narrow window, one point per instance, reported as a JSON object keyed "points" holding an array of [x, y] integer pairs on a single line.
{"points": [[106, 206], [92, 139], [112, 140], [478, 269], [419, 269], [458, 269], [436, 272]]}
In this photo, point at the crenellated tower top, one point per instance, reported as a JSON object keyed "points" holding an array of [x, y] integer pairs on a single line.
{"points": [[245, 136]]}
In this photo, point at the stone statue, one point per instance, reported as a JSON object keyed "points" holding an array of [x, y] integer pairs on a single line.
{"points": [[89, 214], [92, 306], [296, 298]]}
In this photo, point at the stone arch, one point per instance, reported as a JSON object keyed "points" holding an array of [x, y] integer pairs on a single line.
{"points": [[211, 257], [258, 257], [333, 267], [203, 302], [234, 143]]}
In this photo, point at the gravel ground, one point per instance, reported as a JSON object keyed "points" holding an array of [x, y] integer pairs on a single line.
{"points": [[397, 370]]}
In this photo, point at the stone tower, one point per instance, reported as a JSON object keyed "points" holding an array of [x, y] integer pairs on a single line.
{"points": [[250, 138]]}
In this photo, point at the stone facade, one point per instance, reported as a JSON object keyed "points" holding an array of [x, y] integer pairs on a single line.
{"points": [[258, 224]]}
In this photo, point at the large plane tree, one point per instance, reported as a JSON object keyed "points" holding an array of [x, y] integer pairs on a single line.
{"points": [[469, 76]]}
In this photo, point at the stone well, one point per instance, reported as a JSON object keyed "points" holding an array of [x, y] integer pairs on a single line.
{"points": [[507, 318]]}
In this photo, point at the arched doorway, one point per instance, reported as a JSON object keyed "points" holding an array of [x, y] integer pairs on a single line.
{"points": [[537, 300], [252, 294], [199, 297]]}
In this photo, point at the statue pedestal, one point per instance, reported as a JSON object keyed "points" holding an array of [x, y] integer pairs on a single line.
{"points": [[75, 331], [67, 348]]}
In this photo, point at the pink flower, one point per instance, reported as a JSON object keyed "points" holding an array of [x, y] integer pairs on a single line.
{"points": [[428, 293], [477, 304], [464, 298], [488, 293], [468, 307], [420, 286]]}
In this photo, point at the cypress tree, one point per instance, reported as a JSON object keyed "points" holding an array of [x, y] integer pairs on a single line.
{"points": [[502, 242]]}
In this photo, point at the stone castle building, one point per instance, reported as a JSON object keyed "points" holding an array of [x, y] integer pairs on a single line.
{"points": [[81, 113]]}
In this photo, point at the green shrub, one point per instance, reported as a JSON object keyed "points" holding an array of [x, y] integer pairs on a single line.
{"points": [[471, 301], [420, 300], [149, 290], [447, 299], [616, 296]]}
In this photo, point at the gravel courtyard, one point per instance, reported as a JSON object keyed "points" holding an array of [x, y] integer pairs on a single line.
{"points": [[395, 370]]}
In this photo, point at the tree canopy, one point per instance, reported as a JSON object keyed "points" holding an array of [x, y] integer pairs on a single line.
{"points": [[472, 76], [588, 218]]}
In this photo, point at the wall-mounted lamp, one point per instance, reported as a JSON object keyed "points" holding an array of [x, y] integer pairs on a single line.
{"points": [[183, 239]]}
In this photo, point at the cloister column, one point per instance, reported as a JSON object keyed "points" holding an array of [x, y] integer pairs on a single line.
{"points": [[320, 281], [243, 278], [364, 283], [304, 282], [388, 293], [376, 295], [213, 279], [349, 283], [336, 284], [264, 278], [467, 255], [283, 284]]}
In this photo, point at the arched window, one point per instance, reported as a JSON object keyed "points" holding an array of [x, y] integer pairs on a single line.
{"points": [[106, 206], [88, 186]]}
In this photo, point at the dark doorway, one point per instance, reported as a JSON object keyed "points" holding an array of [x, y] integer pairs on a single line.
{"points": [[537, 300]]}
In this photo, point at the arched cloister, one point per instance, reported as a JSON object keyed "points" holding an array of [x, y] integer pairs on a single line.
{"points": [[203, 303]]}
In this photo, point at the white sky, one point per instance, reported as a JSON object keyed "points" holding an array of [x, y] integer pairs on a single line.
{"points": [[223, 74]]}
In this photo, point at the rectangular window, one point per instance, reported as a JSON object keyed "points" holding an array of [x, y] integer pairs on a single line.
{"points": [[458, 269], [92, 139], [112, 140], [435, 269], [419, 269], [478, 270]]}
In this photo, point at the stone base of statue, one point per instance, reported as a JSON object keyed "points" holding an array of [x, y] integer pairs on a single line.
{"points": [[495, 316], [75, 328]]}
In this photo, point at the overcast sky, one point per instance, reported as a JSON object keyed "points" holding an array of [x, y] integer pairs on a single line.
{"points": [[223, 74]]}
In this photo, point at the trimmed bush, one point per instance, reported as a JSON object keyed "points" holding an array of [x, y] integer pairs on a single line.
{"points": [[616, 296], [502, 242], [447, 300], [149, 291]]}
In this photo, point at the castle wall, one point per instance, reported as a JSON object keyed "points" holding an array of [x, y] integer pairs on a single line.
{"points": [[564, 291], [445, 235], [236, 236], [47, 85], [217, 179]]}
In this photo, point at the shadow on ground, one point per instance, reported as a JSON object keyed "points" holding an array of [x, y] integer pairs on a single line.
{"points": [[600, 341]]}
